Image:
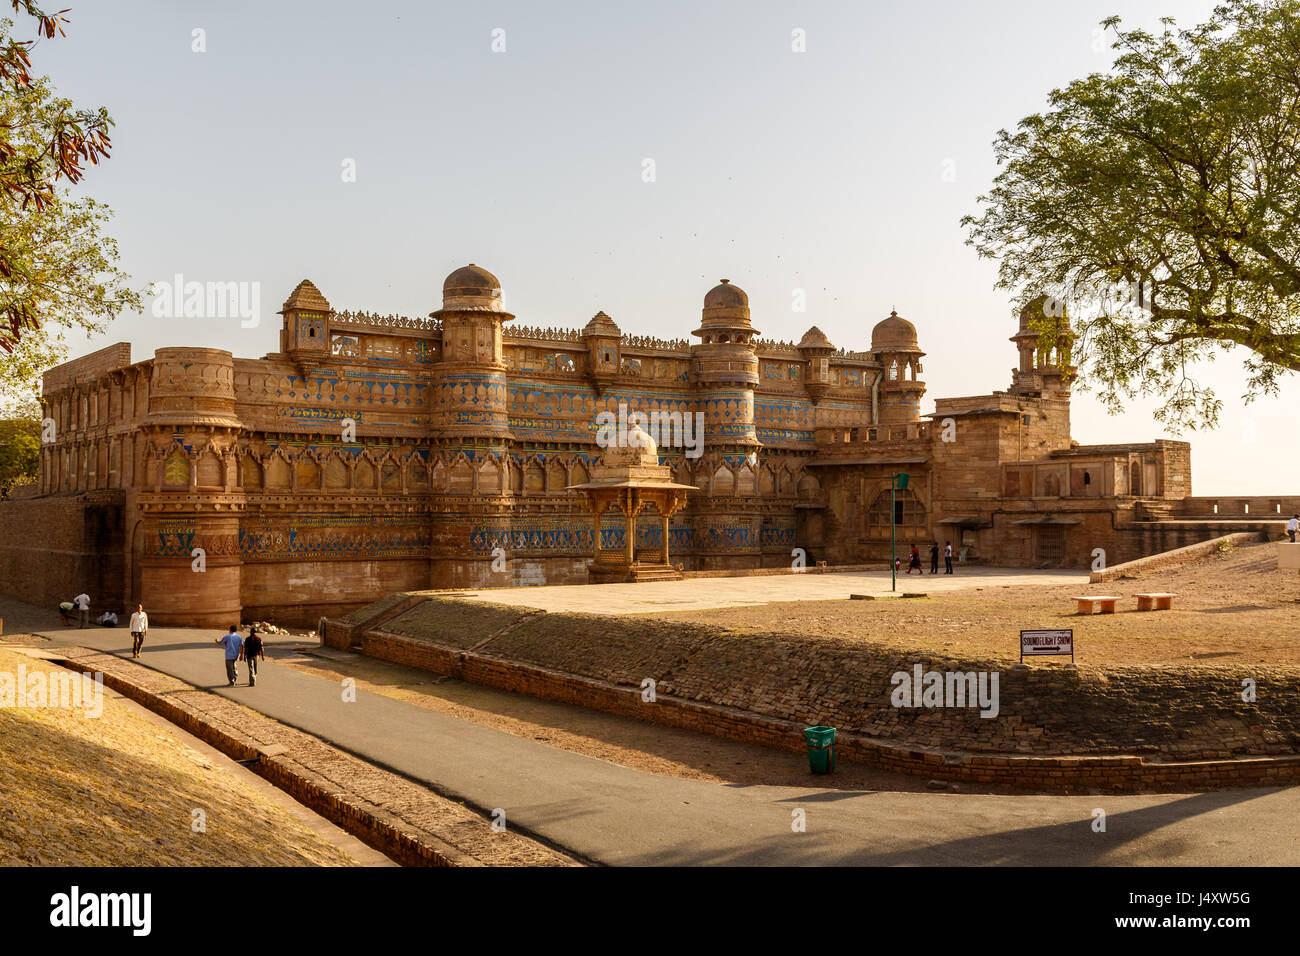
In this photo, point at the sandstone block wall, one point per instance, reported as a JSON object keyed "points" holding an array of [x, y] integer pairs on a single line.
{"points": [[52, 549]]}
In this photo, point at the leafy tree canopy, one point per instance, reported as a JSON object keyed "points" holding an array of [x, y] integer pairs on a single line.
{"points": [[58, 270], [1160, 201]]}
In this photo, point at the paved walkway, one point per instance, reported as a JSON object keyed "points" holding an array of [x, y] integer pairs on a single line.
{"points": [[699, 593], [616, 815]]}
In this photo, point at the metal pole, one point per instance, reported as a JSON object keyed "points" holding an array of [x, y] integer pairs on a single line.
{"points": [[893, 553]]}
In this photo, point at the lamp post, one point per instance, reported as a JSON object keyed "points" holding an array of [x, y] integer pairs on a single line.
{"points": [[897, 482]]}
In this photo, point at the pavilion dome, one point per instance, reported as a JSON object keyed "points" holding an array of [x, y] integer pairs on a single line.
{"points": [[640, 449], [815, 338]]}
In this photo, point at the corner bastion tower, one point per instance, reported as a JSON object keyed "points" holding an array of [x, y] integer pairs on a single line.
{"points": [[372, 454]]}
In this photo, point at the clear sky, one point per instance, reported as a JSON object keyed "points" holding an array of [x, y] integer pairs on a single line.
{"points": [[822, 170]]}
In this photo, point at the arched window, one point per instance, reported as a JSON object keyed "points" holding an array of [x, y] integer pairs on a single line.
{"points": [[893, 371]]}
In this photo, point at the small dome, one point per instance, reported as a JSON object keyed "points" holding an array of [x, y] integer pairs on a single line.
{"points": [[470, 279], [894, 334], [726, 296], [305, 295], [815, 338], [639, 449], [473, 288], [1045, 306], [601, 324]]}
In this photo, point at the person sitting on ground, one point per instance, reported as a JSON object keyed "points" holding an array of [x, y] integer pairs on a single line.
{"points": [[108, 619]]}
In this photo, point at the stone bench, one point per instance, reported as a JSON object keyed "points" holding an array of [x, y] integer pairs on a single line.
{"points": [[1156, 601], [1088, 604]]}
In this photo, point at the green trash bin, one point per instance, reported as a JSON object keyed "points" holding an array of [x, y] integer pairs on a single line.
{"points": [[821, 748]]}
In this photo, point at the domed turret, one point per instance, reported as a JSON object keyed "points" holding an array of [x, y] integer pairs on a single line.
{"points": [[473, 357], [726, 362], [895, 345]]}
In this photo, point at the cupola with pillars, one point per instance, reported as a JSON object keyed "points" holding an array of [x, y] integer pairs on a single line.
{"points": [[726, 366], [1044, 358], [894, 344]]}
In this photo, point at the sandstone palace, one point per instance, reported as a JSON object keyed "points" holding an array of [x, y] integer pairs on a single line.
{"points": [[373, 454]]}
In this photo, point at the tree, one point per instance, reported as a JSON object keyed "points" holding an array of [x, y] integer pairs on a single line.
{"points": [[57, 268], [1161, 202], [20, 449]]}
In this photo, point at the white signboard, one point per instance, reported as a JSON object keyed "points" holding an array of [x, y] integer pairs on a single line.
{"points": [[1038, 643]]}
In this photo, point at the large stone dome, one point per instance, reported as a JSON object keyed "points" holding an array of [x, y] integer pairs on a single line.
{"points": [[894, 334]]}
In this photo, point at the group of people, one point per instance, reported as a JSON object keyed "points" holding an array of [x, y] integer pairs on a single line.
{"points": [[249, 649], [914, 562], [237, 649]]}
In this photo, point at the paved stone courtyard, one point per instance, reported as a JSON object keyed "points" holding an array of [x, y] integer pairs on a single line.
{"points": [[703, 593]]}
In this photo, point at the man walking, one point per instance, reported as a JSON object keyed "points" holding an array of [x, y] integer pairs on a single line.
{"points": [[934, 557], [233, 643], [82, 602], [253, 649], [1293, 526], [139, 624], [947, 557]]}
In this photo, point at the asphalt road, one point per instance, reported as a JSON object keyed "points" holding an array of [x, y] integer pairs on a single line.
{"points": [[621, 816]]}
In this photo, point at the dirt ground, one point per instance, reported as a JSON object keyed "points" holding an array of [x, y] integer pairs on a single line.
{"points": [[119, 790], [1231, 607]]}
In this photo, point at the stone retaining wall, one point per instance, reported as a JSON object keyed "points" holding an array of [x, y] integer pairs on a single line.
{"points": [[1177, 557]]}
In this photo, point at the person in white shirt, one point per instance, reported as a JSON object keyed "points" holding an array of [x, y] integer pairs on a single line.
{"points": [[82, 601], [947, 557], [139, 624], [108, 619], [1293, 526]]}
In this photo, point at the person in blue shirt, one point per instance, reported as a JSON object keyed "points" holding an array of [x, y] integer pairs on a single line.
{"points": [[232, 642]]}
